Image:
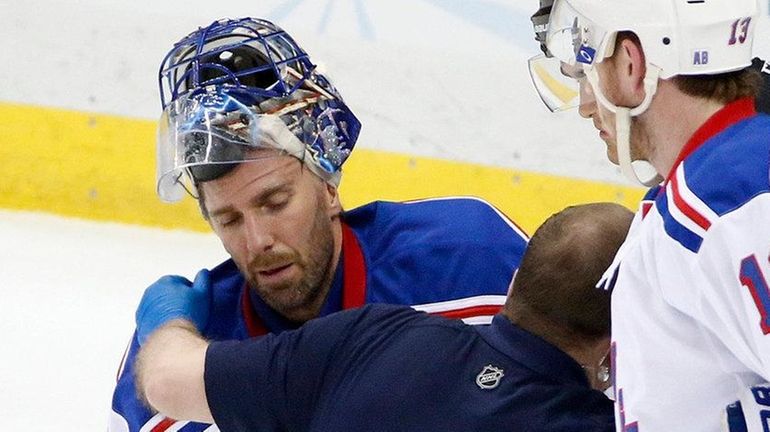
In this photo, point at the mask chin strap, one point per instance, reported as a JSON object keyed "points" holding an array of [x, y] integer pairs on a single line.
{"points": [[623, 121]]}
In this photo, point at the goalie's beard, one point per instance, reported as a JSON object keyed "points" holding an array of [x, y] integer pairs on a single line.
{"points": [[299, 295]]}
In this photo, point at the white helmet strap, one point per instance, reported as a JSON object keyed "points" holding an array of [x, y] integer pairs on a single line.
{"points": [[623, 120]]}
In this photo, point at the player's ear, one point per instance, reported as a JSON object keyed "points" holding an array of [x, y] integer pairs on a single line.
{"points": [[631, 67], [333, 199]]}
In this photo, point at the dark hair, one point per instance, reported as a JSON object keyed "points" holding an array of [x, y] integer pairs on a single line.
{"points": [[554, 292], [724, 88], [763, 98]]}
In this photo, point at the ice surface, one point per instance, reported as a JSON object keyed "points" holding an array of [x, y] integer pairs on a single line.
{"points": [[68, 291]]}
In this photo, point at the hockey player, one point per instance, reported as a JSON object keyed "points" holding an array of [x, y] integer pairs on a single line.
{"points": [[387, 368], [259, 136], [671, 83], [552, 94]]}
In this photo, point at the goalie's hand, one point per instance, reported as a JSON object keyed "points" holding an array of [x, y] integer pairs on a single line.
{"points": [[174, 297], [751, 412]]}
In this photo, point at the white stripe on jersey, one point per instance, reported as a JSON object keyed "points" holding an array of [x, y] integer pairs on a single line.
{"points": [[502, 215], [176, 426], [159, 418], [690, 198], [679, 216], [151, 423], [212, 428], [463, 303], [479, 320], [123, 360]]}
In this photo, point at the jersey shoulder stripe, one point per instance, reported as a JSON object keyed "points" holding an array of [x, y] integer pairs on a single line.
{"points": [[645, 205], [674, 226], [722, 175], [471, 310]]}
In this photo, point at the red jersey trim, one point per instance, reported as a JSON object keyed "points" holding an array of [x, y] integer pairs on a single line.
{"points": [[354, 278], [470, 312], [686, 209], [163, 425]]}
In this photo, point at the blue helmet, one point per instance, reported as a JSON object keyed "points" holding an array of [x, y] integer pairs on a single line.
{"points": [[239, 86]]}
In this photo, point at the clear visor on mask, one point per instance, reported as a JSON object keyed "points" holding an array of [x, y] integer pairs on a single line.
{"points": [[558, 88], [572, 42], [204, 135]]}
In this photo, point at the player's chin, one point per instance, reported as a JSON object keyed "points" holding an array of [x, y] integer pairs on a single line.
{"points": [[288, 296], [612, 153]]}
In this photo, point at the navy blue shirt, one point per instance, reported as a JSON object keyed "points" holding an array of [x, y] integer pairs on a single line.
{"points": [[390, 368]]}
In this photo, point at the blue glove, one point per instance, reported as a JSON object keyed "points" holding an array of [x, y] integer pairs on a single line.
{"points": [[173, 297]]}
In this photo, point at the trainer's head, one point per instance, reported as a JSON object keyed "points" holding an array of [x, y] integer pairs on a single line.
{"points": [[554, 294], [260, 136]]}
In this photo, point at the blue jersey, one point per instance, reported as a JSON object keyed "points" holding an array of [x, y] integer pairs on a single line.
{"points": [[388, 368], [453, 257]]}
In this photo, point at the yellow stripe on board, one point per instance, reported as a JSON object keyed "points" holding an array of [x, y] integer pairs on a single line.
{"points": [[102, 167]]}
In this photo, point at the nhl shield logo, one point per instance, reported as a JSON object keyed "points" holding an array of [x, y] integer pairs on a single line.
{"points": [[489, 377]]}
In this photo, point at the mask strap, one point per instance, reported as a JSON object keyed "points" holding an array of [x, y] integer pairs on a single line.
{"points": [[623, 121]]}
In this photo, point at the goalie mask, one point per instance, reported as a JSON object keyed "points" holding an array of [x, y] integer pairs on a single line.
{"points": [[236, 89]]}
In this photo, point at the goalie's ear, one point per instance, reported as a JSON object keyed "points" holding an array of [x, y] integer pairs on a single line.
{"points": [[750, 412]]}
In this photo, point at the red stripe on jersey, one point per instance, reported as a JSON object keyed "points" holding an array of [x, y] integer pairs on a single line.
{"points": [[163, 425], [254, 324], [646, 206], [354, 279], [470, 312], [685, 208]]}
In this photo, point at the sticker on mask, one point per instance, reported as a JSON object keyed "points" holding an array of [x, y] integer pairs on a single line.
{"points": [[586, 54]]}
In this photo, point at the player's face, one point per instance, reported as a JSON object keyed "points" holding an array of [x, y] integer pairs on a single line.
{"points": [[589, 108], [604, 119], [278, 221]]}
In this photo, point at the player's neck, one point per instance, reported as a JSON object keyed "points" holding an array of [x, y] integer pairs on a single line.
{"points": [[670, 122]]}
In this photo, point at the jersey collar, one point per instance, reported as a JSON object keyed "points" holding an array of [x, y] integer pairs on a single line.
{"points": [[729, 115]]}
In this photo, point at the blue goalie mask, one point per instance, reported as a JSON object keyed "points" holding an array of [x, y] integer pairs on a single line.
{"points": [[241, 90]]}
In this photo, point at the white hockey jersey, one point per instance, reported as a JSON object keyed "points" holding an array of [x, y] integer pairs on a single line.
{"points": [[691, 300]]}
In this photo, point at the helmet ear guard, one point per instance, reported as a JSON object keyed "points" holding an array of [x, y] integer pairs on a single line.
{"points": [[242, 85]]}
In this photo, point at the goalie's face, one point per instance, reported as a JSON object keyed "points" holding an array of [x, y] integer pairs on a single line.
{"points": [[279, 222]]}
